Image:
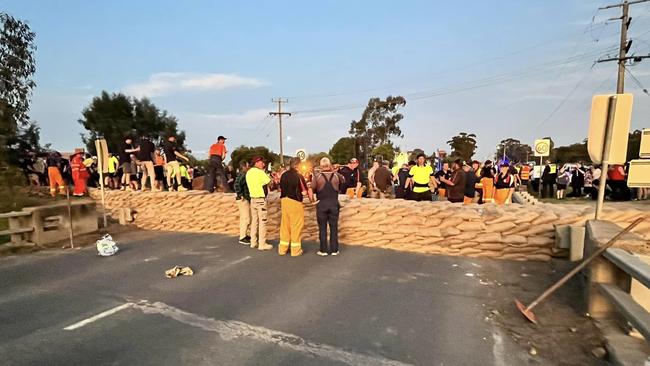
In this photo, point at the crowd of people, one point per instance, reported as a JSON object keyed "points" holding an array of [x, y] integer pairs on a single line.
{"points": [[583, 181], [144, 166]]}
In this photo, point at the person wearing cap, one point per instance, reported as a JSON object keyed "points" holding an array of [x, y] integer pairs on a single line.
{"points": [[79, 173], [502, 182], [172, 167], [218, 153], [456, 185], [352, 175], [327, 185], [420, 176], [257, 181], [292, 190]]}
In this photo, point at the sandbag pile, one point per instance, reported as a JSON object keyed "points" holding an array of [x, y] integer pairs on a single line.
{"points": [[512, 232]]}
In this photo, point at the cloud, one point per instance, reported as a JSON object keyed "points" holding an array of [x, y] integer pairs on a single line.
{"points": [[166, 83]]}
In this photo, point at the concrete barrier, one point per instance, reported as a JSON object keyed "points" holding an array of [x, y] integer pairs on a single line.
{"points": [[42, 225]]}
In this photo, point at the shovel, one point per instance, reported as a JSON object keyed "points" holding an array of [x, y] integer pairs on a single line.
{"points": [[527, 311]]}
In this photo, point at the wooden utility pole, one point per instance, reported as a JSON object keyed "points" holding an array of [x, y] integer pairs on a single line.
{"points": [[625, 44], [279, 113]]}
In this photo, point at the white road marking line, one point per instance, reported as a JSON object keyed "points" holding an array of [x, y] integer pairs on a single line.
{"points": [[99, 316], [229, 330], [232, 329], [237, 261]]}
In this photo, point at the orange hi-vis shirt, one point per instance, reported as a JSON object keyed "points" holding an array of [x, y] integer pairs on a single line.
{"points": [[217, 149]]}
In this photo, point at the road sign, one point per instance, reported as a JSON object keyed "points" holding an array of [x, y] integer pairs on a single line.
{"points": [[639, 174], [542, 147], [622, 115], [301, 154]]}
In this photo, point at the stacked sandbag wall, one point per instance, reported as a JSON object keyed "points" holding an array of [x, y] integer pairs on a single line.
{"points": [[509, 232]]}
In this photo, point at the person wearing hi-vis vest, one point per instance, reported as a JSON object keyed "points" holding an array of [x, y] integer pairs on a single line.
{"points": [[257, 181], [293, 188], [420, 176]]}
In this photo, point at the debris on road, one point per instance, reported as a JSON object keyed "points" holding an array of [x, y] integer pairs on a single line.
{"points": [[178, 271], [599, 352], [106, 246]]}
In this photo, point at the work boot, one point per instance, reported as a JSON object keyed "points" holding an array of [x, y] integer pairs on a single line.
{"points": [[265, 247], [182, 189], [253, 246], [283, 248], [296, 251]]}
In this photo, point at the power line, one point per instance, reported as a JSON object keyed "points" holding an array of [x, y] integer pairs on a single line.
{"points": [[472, 84], [463, 67], [637, 82]]}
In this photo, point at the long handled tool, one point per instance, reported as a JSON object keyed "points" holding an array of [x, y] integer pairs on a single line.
{"points": [[527, 311], [67, 193]]}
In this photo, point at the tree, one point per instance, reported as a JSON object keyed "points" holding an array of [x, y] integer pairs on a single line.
{"points": [[413, 156], [343, 150], [463, 146], [515, 151], [116, 116], [572, 153], [379, 122], [247, 153], [17, 66], [386, 151]]}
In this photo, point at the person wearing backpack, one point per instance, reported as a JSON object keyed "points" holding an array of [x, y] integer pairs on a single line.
{"points": [[562, 181]]}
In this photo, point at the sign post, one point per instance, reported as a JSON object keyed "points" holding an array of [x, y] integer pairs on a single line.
{"points": [[609, 127], [102, 154], [611, 112], [542, 149]]}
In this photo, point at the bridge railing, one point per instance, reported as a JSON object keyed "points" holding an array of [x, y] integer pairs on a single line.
{"points": [[48, 224], [609, 296]]}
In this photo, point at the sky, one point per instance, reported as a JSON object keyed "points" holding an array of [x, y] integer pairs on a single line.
{"points": [[498, 69]]}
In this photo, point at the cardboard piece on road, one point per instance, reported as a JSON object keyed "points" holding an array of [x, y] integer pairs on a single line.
{"points": [[620, 129], [178, 271], [542, 147]]}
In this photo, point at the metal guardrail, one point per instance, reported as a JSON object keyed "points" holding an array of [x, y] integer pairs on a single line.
{"points": [[611, 278]]}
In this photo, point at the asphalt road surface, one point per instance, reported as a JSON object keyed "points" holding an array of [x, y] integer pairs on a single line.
{"points": [[244, 307]]}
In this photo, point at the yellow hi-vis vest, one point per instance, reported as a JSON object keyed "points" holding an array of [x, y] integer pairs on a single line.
{"points": [[553, 168]]}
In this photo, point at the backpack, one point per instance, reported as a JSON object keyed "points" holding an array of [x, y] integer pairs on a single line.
{"points": [[106, 246]]}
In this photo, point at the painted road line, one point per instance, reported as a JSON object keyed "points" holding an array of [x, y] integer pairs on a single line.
{"points": [[99, 316], [230, 330]]}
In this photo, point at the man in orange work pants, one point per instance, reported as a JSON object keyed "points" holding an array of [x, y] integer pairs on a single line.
{"points": [[53, 163], [293, 188]]}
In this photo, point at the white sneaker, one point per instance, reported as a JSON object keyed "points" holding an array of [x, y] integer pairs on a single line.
{"points": [[182, 189], [322, 254], [335, 253]]}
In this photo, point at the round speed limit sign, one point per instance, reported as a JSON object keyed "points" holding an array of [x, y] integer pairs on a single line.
{"points": [[301, 154], [542, 147]]}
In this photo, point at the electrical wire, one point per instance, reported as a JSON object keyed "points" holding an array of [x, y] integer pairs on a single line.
{"points": [[459, 68], [474, 84], [636, 81]]}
